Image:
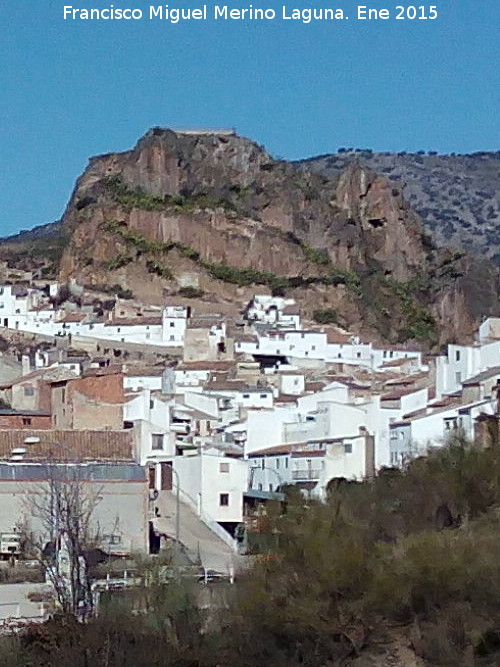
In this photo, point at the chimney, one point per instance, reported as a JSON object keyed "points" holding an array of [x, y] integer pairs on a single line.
{"points": [[369, 452], [25, 363]]}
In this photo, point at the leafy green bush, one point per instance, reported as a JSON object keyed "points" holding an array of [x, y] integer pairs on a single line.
{"points": [[118, 262], [120, 292], [131, 198], [190, 292], [325, 316], [159, 269]]}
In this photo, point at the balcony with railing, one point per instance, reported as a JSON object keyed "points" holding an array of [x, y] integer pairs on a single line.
{"points": [[306, 475], [181, 428]]}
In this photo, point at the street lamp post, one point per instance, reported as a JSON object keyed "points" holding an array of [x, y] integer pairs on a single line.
{"points": [[177, 512], [261, 467]]}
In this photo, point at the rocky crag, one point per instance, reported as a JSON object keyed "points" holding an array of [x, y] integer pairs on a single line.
{"points": [[213, 215], [457, 196]]}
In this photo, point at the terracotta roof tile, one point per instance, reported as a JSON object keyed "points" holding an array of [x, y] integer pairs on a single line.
{"points": [[480, 377], [314, 386], [396, 395], [45, 374], [133, 321], [150, 371], [72, 317], [73, 445], [206, 365], [335, 336], [398, 362], [287, 398]]}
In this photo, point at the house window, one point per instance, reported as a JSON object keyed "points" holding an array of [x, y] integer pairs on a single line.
{"points": [[458, 377], [223, 499], [270, 488], [172, 324], [358, 354], [26, 421], [157, 441], [313, 347], [259, 487], [111, 539], [286, 463], [457, 355], [277, 463], [246, 395], [29, 391], [151, 403], [172, 337], [348, 448], [223, 467], [263, 395]]}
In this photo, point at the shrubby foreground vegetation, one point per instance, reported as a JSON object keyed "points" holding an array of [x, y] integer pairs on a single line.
{"points": [[408, 563]]}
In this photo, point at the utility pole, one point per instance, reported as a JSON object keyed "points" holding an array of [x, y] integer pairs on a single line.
{"points": [[177, 514]]}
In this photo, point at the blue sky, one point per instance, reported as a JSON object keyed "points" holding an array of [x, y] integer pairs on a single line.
{"points": [[70, 90]]}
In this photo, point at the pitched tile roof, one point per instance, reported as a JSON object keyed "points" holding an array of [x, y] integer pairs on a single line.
{"points": [[73, 317], [45, 374], [480, 377], [205, 365], [73, 445], [133, 321]]}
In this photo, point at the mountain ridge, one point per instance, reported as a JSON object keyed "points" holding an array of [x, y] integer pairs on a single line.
{"points": [[456, 195], [217, 213]]}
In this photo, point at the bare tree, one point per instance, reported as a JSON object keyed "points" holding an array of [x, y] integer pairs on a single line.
{"points": [[63, 505]]}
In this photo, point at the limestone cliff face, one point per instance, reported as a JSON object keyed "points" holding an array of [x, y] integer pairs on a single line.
{"points": [[243, 205], [219, 208], [389, 229]]}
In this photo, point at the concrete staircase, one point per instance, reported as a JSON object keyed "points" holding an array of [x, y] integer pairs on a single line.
{"points": [[200, 543]]}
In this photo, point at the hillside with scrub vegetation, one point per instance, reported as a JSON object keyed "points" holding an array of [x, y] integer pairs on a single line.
{"points": [[402, 571]]}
